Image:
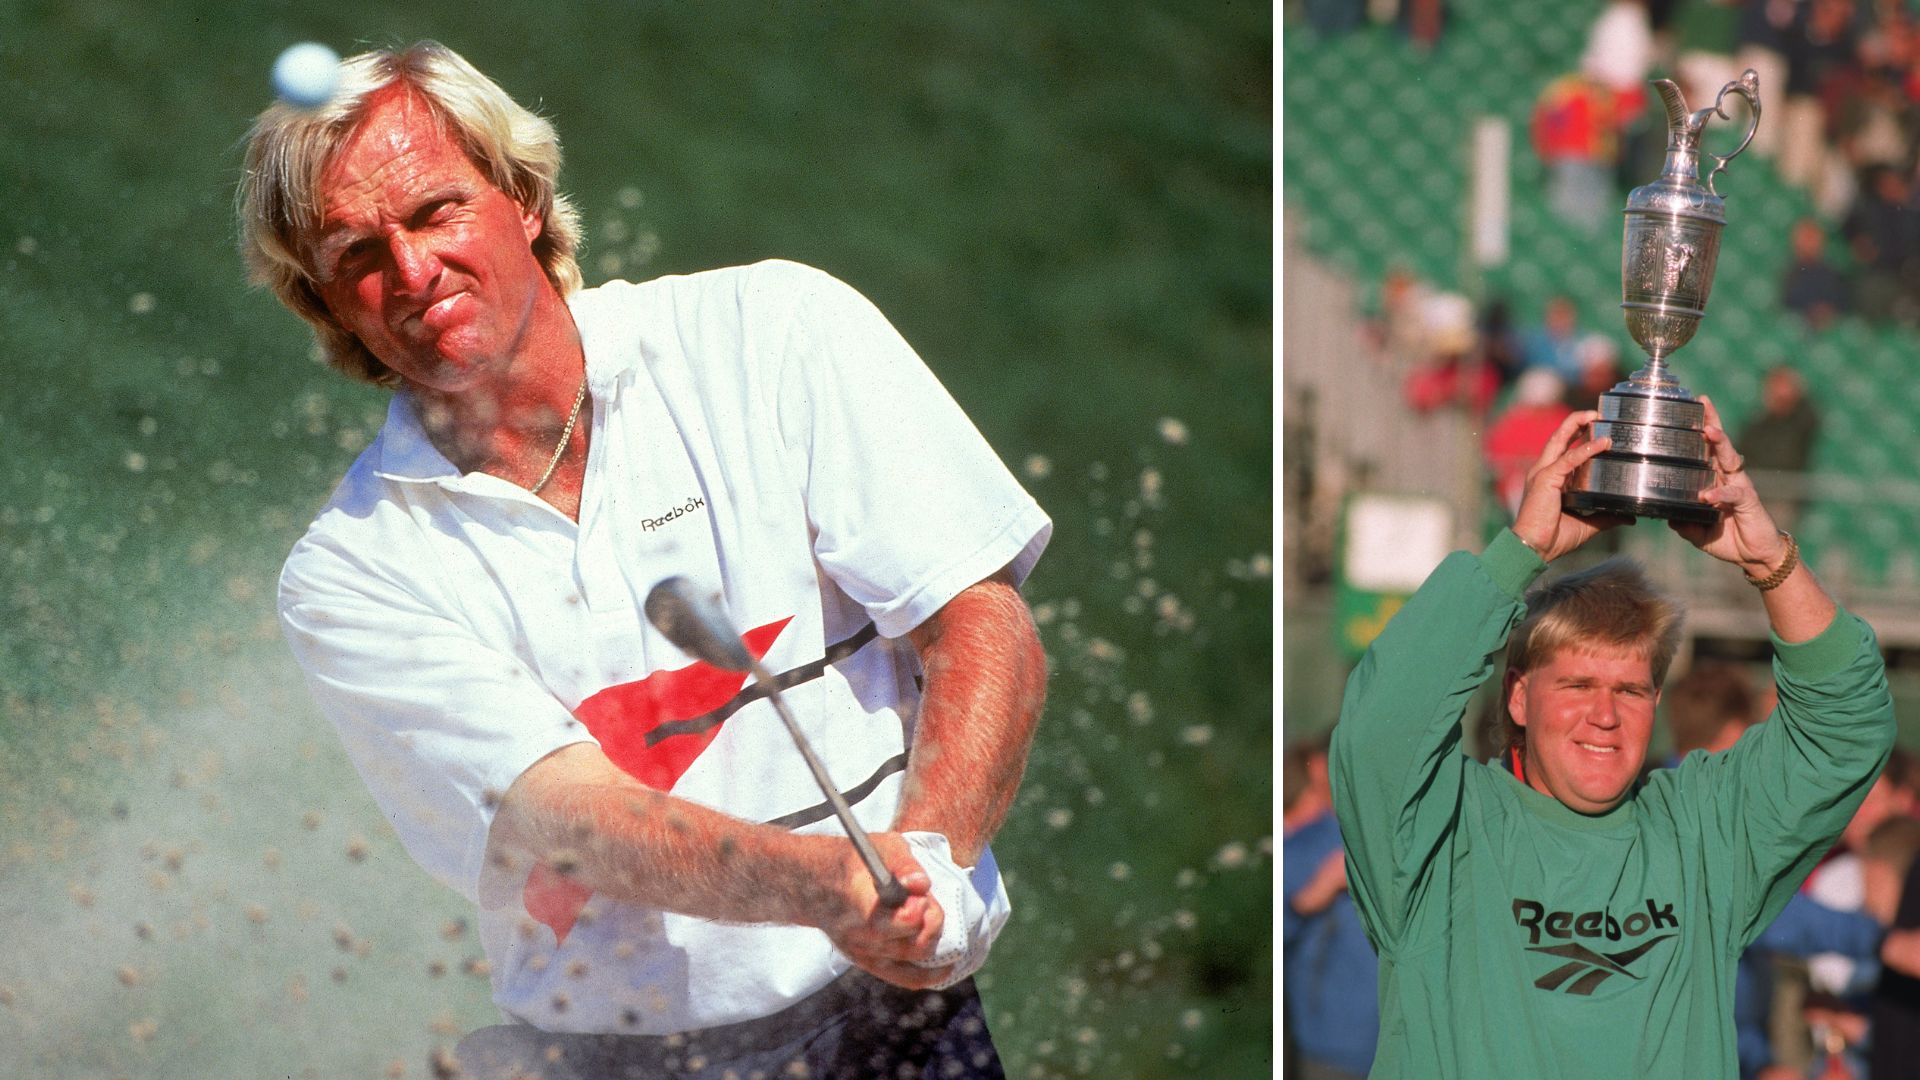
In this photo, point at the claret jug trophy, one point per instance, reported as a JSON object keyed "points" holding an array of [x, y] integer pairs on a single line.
{"points": [[1658, 463]]}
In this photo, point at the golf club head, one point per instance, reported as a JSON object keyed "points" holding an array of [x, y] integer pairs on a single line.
{"points": [[693, 620]]}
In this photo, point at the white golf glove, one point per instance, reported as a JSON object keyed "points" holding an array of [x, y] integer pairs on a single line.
{"points": [[974, 901]]}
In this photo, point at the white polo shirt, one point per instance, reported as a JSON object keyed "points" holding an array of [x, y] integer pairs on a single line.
{"points": [[762, 430]]}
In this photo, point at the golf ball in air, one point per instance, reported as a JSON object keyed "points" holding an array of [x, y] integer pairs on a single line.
{"points": [[306, 74]]}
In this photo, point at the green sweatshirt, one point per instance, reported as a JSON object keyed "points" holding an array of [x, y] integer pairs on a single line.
{"points": [[1519, 938]]}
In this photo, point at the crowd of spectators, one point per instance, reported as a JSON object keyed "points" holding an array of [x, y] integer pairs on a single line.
{"points": [[1840, 80], [1515, 385], [1841, 84], [1420, 20]]}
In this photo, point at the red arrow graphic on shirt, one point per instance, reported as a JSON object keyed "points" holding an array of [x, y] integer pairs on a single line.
{"points": [[653, 729]]}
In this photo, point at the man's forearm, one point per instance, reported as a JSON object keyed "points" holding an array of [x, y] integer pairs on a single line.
{"points": [[1800, 608], [985, 685], [583, 818]]}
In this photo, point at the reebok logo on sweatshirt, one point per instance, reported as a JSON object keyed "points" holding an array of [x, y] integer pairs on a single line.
{"points": [[1591, 967]]}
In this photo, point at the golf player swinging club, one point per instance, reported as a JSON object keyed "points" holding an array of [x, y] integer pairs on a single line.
{"points": [[653, 885], [693, 620]]}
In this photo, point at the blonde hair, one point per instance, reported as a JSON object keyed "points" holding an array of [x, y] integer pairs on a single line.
{"points": [[1608, 606], [288, 150]]}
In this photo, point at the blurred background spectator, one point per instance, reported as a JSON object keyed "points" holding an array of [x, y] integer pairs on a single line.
{"points": [[1576, 133], [1619, 54], [1844, 1035], [1765, 26], [1555, 344], [1812, 288], [1778, 442], [1840, 984], [1885, 858], [1331, 972], [1499, 344], [1706, 35], [1330, 17], [1822, 48], [1399, 327], [1451, 371], [1600, 371], [1708, 710], [1421, 20], [1896, 998], [1883, 230], [1515, 438], [1773, 971]]}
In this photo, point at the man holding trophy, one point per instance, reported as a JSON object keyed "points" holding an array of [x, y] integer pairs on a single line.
{"points": [[1552, 915]]}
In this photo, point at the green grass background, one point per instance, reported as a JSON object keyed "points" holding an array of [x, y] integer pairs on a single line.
{"points": [[1065, 205]]}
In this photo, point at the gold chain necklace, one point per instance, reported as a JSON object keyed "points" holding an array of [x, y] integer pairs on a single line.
{"points": [[566, 436]]}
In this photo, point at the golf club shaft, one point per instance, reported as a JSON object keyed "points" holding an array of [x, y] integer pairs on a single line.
{"points": [[695, 622], [892, 895]]}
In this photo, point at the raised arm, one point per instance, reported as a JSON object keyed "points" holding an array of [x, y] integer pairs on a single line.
{"points": [[1798, 607], [1395, 760], [1793, 782]]}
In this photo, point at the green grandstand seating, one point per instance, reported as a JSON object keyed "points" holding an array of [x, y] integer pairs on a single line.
{"points": [[1374, 161]]}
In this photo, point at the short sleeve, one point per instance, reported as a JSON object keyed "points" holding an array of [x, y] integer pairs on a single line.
{"points": [[907, 502], [437, 723]]}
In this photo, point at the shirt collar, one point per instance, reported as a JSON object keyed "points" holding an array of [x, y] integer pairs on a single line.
{"points": [[405, 453]]}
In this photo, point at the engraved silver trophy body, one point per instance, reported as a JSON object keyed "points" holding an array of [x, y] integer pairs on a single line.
{"points": [[1658, 464]]}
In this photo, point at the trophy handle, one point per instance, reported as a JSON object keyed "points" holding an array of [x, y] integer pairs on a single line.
{"points": [[1747, 86]]}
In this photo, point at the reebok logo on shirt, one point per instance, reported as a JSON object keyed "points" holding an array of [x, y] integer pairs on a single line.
{"points": [[694, 502], [1591, 967]]}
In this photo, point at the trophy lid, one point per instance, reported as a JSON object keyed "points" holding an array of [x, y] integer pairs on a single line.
{"points": [[1679, 191]]}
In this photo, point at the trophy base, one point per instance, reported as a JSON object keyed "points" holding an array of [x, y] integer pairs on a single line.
{"points": [[1657, 463], [1600, 502]]}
